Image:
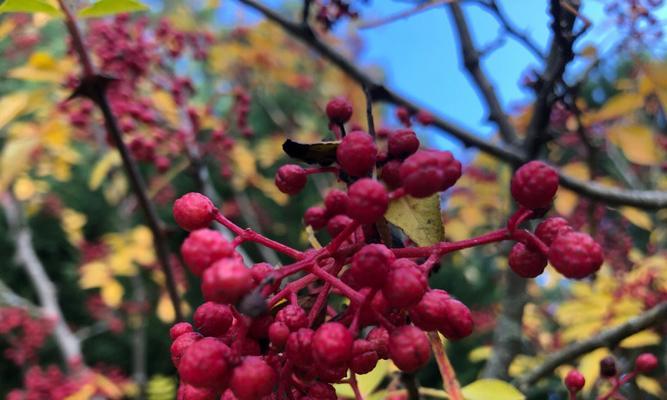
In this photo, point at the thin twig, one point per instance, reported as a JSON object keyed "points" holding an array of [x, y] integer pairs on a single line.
{"points": [[447, 372], [608, 338], [419, 8]]}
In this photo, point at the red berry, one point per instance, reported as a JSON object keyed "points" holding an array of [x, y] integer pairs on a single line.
{"points": [[409, 348], [291, 178], [356, 154], [278, 334], [332, 344], [260, 271], [379, 337], [213, 319], [548, 229], [193, 211], [316, 217], [339, 110], [332, 373], [253, 379], [645, 363], [425, 118], [337, 224], [203, 247], [336, 202], [431, 311], [402, 143], [525, 262], [320, 391], [370, 265], [574, 381], [403, 115], [179, 329], [391, 174], [226, 281], [293, 316], [457, 323], [608, 367], [188, 392], [181, 344], [534, 185], [427, 172], [364, 357], [299, 347], [575, 255], [405, 285], [204, 364], [368, 201]]}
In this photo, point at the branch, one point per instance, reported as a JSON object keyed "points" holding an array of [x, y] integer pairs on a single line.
{"points": [[471, 60], [404, 14], [94, 87], [67, 341], [608, 338], [505, 153]]}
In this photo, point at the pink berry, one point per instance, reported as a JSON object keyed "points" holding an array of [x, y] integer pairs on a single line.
{"points": [[431, 311], [260, 271], [299, 347], [293, 316], [403, 115], [320, 391], [179, 329], [203, 247], [193, 211], [379, 337], [337, 224], [339, 110], [405, 284], [291, 179], [525, 262], [316, 217], [574, 381], [253, 379], [181, 344], [458, 322], [356, 154], [278, 334], [575, 255], [548, 229], [402, 143], [213, 319], [370, 265], [368, 201], [391, 174], [534, 185], [226, 281], [336, 202], [332, 373], [425, 118], [332, 344], [409, 348], [189, 392], [364, 357], [204, 364], [427, 172], [645, 363]]}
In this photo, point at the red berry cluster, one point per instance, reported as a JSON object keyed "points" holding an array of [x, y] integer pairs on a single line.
{"points": [[330, 12], [262, 328], [23, 333], [406, 116]]}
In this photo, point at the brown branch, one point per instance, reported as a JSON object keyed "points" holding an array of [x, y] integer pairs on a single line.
{"points": [[609, 338], [404, 14], [94, 87], [471, 60], [507, 153]]}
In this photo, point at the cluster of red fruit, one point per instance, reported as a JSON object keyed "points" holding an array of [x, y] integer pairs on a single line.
{"points": [[259, 333], [25, 334], [329, 12], [644, 363]]}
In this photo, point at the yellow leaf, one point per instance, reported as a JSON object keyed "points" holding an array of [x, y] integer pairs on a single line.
{"points": [[24, 188], [481, 353], [649, 385], [165, 310], [637, 143], [86, 392], [268, 187], [15, 158], [161, 387], [486, 389], [639, 218], [618, 106], [641, 339], [106, 386], [112, 293], [11, 106], [367, 383], [245, 167], [164, 102], [102, 168], [419, 219], [116, 189]]}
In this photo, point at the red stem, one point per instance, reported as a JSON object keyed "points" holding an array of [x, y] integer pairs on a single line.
{"points": [[448, 247], [447, 372], [347, 291]]}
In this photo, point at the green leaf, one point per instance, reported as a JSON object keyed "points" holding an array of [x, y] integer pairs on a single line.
{"points": [[28, 6], [485, 389], [110, 7], [420, 219]]}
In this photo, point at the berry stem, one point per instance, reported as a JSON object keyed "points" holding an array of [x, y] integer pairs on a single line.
{"points": [[529, 239], [321, 170], [252, 236], [322, 297], [447, 372], [448, 247], [516, 219], [338, 241], [347, 291], [355, 388]]}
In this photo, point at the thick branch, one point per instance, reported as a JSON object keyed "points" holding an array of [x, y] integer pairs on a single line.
{"points": [[509, 154], [608, 338], [471, 61], [68, 343]]}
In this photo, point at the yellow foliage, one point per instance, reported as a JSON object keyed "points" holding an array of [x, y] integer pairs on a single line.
{"points": [[367, 383], [637, 143], [618, 106], [419, 219], [102, 167], [11, 106], [485, 389]]}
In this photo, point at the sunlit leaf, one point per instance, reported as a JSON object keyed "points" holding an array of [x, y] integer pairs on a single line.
{"points": [[618, 106], [650, 385], [110, 7], [102, 167], [28, 6], [420, 219], [112, 293], [367, 383], [639, 218], [485, 389], [637, 143], [481, 353], [165, 310], [11, 106], [15, 159], [641, 339], [94, 274]]}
